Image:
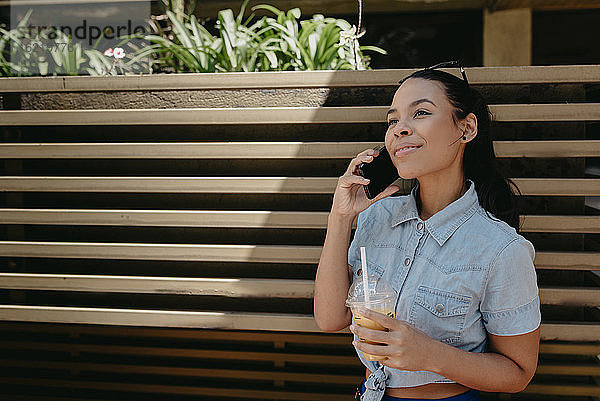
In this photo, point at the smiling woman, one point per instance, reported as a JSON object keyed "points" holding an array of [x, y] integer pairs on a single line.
{"points": [[467, 310]]}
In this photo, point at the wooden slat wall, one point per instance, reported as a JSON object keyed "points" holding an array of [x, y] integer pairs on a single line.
{"points": [[278, 115], [550, 74], [109, 292]]}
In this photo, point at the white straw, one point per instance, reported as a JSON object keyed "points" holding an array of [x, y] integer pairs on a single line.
{"points": [[365, 275]]}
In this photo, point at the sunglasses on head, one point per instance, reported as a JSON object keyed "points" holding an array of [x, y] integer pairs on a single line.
{"points": [[448, 64]]}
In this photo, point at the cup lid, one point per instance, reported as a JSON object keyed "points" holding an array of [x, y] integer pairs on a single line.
{"points": [[379, 290]]}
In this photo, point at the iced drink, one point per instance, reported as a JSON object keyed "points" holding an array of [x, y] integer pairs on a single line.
{"points": [[382, 299]]}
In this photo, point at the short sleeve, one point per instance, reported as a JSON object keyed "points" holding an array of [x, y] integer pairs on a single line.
{"points": [[510, 303]]}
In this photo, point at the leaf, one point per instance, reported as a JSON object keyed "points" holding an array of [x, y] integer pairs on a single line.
{"points": [[274, 10], [343, 24], [226, 19], [329, 55], [312, 44], [180, 31], [272, 58], [250, 19], [294, 12], [323, 43], [292, 41], [241, 13], [373, 48], [308, 27]]}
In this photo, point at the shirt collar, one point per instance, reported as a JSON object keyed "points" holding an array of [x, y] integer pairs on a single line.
{"points": [[443, 223]]}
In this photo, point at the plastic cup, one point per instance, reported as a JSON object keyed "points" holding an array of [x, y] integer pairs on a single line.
{"points": [[382, 299]]}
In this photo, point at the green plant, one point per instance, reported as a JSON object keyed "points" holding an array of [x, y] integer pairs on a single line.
{"points": [[20, 41], [38, 51], [100, 64], [269, 44], [193, 50], [68, 58], [243, 47], [278, 43], [34, 52], [320, 43], [180, 8]]}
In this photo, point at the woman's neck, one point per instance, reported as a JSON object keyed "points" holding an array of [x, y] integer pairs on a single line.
{"points": [[433, 197]]}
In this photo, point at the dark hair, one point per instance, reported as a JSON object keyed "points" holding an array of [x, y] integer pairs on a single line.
{"points": [[479, 160]]}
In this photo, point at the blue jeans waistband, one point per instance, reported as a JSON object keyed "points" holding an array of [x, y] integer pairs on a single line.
{"points": [[471, 395]]}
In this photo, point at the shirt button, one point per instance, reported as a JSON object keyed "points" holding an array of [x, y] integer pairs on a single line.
{"points": [[439, 308], [419, 226], [359, 272], [407, 261]]}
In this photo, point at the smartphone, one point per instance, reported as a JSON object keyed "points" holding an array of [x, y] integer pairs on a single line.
{"points": [[381, 172]]}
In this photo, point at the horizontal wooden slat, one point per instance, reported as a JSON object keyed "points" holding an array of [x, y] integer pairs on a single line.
{"points": [[554, 148], [281, 185], [210, 8], [160, 318], [546, 112], [277, 115], [337, 339], [567, 260], [228, 320], [580, 296], [589, 349], [187, 150], [181, 333], [314, 185], [197, 390], [569, 369], [38, 397], [187, 352], [580, 390], [559, 224], [266, 150], [546, 347], [204, 353], [166, 218], [246, 219], [558, 186], [321, 377], [548, 389], [566, 369], [554, 74], [181, 252], [234, 287], [571, 332], [233, 253], [244, 287]]}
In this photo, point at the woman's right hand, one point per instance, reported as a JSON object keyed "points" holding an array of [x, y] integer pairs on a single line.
{"points": [[350, 198]]}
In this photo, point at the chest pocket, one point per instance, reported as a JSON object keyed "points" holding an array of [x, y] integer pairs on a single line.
{"points": [[440, 314]]}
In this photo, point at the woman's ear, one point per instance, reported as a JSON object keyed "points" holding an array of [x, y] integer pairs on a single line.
{"points": [[470, 126]]}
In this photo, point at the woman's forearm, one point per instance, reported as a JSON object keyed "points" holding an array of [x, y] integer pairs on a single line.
{"points": [[332, 281], [492, 372]]}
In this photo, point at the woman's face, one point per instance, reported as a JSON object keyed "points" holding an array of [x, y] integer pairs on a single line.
{"points": [[421, 115]]}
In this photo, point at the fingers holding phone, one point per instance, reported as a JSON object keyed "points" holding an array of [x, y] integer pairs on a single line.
{"points": [[350, 197], [381, 173], [365, 156]]}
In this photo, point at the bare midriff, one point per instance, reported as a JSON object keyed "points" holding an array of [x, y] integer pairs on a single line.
{"points": [[426, 391]]}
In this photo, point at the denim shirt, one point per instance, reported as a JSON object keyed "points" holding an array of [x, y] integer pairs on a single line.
{"points": [[458, 275]]}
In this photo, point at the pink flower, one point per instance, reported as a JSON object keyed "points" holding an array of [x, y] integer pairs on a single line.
{"points": [[119, 53], [109, 52]]}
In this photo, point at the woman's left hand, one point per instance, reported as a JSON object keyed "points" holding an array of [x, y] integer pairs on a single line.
{"points": [[405, 346]]}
